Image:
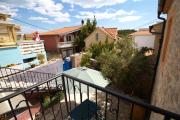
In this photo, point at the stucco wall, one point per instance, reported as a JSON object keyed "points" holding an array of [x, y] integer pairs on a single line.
{"points": [[50, 42], [166, 93], [144, 41], [91, 39], [158, 29], [10, 56]]}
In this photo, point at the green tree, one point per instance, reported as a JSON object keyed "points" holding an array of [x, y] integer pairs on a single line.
{"points": [[126, 67], [94, 51], [125, 33], [85, 31], [85, 60]]}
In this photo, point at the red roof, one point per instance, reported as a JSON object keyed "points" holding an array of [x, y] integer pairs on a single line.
{"points": [[110, 31], [64, 30], [141, 32]]}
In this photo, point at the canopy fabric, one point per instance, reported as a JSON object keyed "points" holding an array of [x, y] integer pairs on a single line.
{"points": [[88, 75]]}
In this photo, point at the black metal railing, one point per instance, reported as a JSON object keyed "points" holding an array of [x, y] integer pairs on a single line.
{"points": [[73, 92], [14, 79]]}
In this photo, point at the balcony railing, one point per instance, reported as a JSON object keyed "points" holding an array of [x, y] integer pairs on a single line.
{"points": [[111, 105], [29, 47], [65, 44], [15, 79]]}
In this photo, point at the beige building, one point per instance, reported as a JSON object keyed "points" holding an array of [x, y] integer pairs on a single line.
{"points": [[101, 34], [143, 38], [166, 92], [7, 31]]}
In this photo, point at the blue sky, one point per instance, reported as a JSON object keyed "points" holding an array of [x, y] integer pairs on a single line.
{"points": [[51, 14]]}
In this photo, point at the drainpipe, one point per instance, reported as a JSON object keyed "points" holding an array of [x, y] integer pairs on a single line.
{"points": [[159, 53]]}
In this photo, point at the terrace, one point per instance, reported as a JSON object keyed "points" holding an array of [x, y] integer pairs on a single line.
{"points": [[98, 103]]}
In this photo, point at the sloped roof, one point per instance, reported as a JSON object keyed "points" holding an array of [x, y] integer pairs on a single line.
{"points": [[141, 32], [64, 30], [110, 31]]}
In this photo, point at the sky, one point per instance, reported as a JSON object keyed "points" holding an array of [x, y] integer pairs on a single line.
{"points": [[44, 15]]}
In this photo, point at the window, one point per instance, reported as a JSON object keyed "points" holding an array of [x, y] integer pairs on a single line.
{"points": [[97, 36], [68, 38]]}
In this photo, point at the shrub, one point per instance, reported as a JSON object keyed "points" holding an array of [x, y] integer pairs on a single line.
{"points": [[49, 100], [10, 65], [33, 65], [127, 68], [41, 58], [85, 60]]}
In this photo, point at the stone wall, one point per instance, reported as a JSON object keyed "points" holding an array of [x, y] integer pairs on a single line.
{"points": [[166, 93]]}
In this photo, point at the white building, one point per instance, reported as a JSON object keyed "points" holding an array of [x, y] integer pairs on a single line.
{"points": [[143, 38]]}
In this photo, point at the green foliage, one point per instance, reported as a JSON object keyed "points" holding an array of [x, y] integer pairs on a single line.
{"points": [[125, 33], [145, 49], [52, 99], [125, 48], [95, 51], [127, 67], [41, 58], [85, 60], [33, 65], [10, 65], [86, 30]]}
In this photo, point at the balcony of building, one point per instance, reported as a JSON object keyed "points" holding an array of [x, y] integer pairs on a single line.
{"points": [[67, 44], [62, 97]]}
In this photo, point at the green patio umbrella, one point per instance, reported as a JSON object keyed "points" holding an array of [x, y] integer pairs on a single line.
{"points": [[88, 75]]}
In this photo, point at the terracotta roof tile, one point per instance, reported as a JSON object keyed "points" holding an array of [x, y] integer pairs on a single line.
{"points": [[141, 32], [62, 30], [111, 31]]}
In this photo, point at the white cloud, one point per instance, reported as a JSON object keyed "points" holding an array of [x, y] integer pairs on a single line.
{"points": [[108, 14], [28, 29], [42, 19], [44, 7], [129, 18], [38, 18], [8, 10], [61, 19], [93, 3]]}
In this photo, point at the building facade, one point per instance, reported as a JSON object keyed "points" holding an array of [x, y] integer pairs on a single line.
{"points": [[9, 51], [61, 40], [101, 34], [167, 84], [17, 53], [143, 38]]}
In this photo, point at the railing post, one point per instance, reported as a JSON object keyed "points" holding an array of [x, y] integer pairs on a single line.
{"points": [[10, 104], [30, 113], [131, 114], [65, 95]]}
